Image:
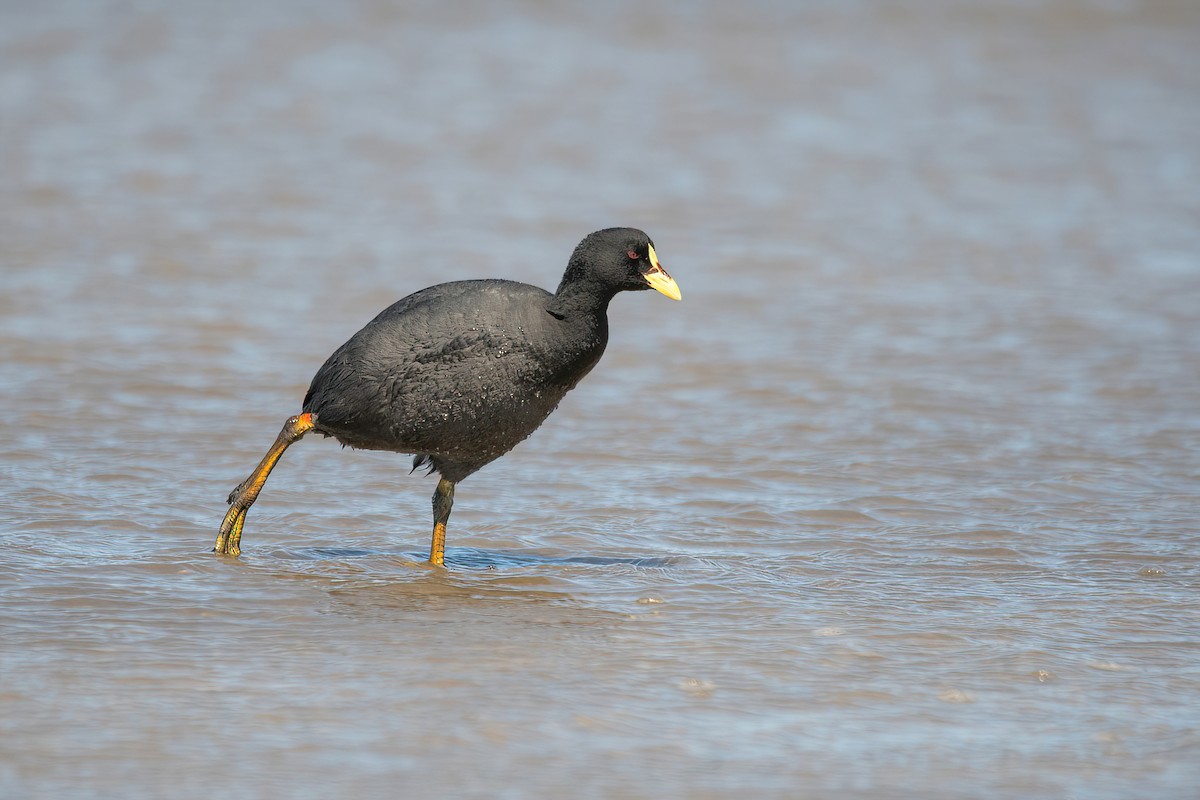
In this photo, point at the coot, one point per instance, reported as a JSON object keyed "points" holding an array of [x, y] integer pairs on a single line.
{"points": [[459, 373]]}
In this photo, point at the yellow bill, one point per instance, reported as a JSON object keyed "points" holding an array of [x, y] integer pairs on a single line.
{"points": [[658, 278]]}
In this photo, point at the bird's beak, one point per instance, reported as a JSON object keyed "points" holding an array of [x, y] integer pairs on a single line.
{"points": [[658, 278]]}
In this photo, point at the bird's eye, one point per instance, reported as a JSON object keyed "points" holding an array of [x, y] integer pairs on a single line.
{"points": [[633, 255]]}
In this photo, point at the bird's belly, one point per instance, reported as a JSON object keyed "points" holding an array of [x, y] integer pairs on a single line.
{"points": [[468, 410], [471, 427]]}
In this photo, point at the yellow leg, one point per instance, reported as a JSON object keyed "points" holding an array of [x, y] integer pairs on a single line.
{"points": [[443, 500], [230, 538]]}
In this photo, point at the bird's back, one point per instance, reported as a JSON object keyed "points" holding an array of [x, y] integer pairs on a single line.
{"points": [[461, 371]]}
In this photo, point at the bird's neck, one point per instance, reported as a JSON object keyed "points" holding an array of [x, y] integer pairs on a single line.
{"points": [[577, 300]]}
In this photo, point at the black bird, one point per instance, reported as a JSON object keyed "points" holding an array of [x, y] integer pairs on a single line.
{"points": [[459, 373]]}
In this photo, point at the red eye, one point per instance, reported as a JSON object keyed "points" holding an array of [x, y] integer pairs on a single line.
{"points": [[633, 256]]}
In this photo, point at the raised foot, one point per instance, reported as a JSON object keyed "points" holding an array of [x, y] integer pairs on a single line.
{"points": [[230, 536], [233, 495]]}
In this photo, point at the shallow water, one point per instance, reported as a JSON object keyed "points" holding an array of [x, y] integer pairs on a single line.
{"points": [[900, 501]]}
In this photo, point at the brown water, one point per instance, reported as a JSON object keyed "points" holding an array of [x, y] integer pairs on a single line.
{"points": [[901, 501]]}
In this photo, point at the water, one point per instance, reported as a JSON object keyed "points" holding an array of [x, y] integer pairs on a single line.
{"points": [[899, 502]]}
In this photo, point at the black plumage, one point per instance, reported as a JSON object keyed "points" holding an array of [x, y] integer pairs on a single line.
{"points": [[459, 373]]}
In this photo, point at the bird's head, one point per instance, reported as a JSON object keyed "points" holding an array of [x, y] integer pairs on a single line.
{"points": [[619, 259]]}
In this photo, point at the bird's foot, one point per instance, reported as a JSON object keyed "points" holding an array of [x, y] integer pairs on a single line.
{"points": [[229, 538]]}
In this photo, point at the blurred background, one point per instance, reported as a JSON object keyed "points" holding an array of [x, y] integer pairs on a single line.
{"points": [[899, 501]]}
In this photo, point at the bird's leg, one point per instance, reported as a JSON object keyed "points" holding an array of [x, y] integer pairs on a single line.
{"points": [[240, 500], [443, 501]]}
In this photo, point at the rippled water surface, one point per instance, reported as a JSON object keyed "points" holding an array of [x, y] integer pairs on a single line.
{"points": [[900, 501]]}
